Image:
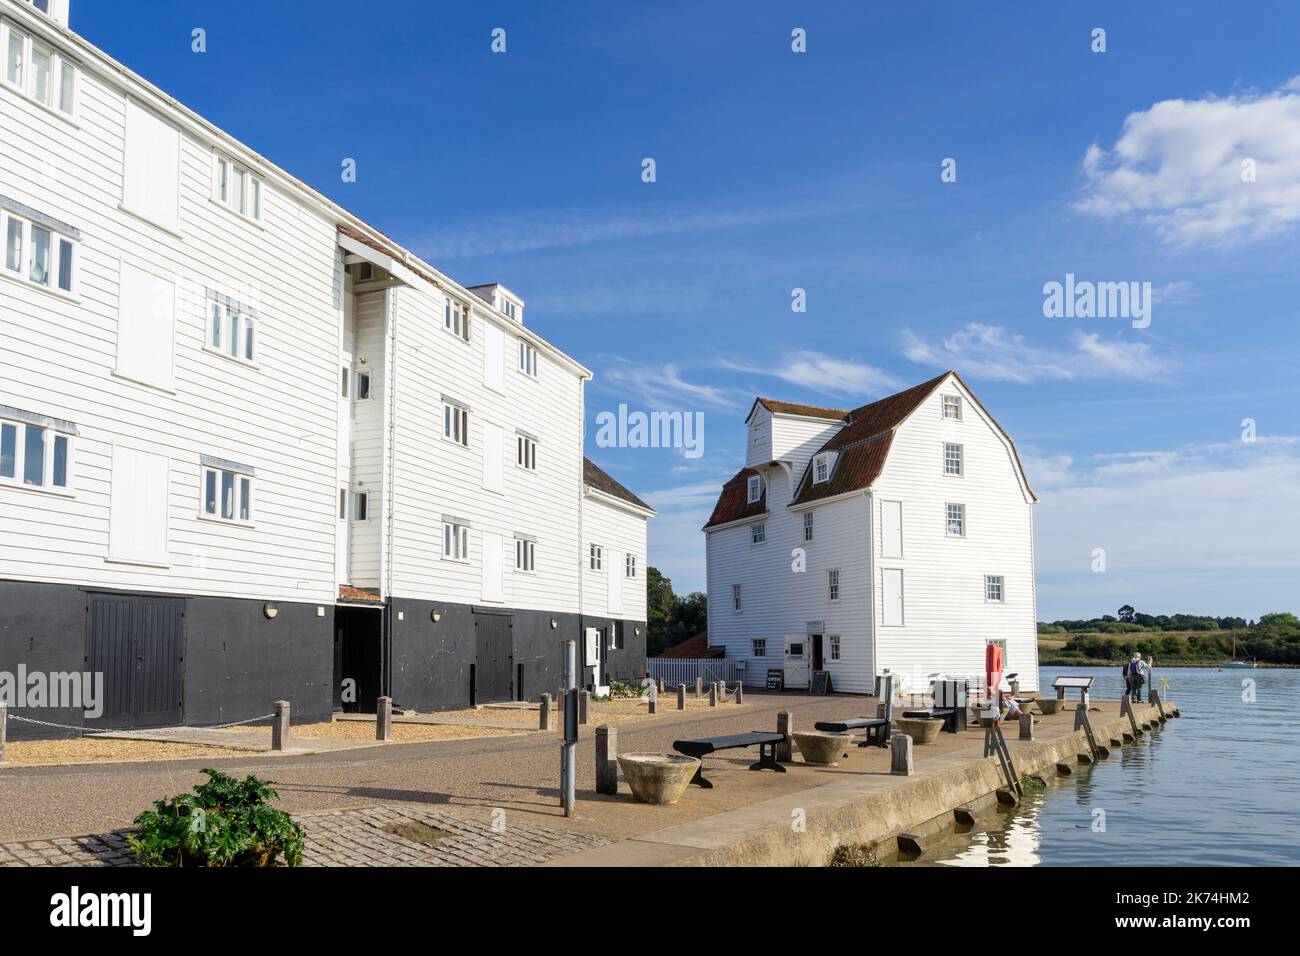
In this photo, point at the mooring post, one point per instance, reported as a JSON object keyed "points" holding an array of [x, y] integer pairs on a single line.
{"points": [[607, 760], [784, 725], [384, 718], [900, 755], [713, 694], [699, 687], [4, 722], [1026, 727], [681, 696], [662, 686], [279, 724], [584, 707], [569, 748], [544, 713], [740, 692]]}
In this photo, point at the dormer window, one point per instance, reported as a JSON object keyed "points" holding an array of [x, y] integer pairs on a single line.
{"points": [[952, 407], [822, 468], [755, 489]]}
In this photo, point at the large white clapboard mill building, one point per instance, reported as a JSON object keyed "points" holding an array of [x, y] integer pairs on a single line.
{"points": [[892, 538], [252, 449]]}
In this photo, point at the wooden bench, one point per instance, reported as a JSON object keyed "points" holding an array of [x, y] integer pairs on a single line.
{"points": [[704, 746], [1082, 684], [877, 728]]}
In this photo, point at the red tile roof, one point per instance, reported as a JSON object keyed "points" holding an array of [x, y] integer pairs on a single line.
{"points": [[694, 648], [358, 595], [595, 477], [733, 504]]}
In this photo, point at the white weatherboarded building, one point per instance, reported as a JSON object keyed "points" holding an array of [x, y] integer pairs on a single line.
{"points": [[896, 537]]}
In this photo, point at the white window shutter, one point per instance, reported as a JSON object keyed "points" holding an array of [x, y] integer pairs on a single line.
{"points": [[137, 516], [891, 529], [146, 320], [892, 597], [493, 457], [493, 589], [494, 358], [615, 566], [152, 168]]}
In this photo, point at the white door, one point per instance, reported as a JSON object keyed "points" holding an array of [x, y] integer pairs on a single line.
{"points": [[798, 661], [891, 529]]}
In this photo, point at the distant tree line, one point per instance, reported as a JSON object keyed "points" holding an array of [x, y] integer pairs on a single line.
{"points": [[1273, 639], [671, 619]]}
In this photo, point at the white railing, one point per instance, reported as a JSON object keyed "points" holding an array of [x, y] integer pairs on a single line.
{"points": [[682, 670]]}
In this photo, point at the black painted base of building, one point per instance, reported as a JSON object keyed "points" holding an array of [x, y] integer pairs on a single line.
{"points": [[170, 659]]}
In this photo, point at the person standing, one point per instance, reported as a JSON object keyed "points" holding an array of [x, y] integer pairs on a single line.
{"points": [[1149, 672]]}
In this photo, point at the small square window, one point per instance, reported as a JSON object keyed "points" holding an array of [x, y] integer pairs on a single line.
{"points": [[525, 555], [227, 495], [456, 318], [455, 424], [759, 646], [755, 489], [956, 520], [993, 590], [952, 407], [455, 541], [596, 557], [631, 565], [526, 453], [231, 330], [758, 534], [952, 459]]}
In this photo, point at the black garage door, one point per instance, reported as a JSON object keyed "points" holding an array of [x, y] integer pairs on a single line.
{"points": [[138, 644], [495, 652]]}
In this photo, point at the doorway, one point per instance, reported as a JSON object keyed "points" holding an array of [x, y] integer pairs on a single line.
{"points": [[358, 658], [493, 681], [816, 652], [138, 644]]}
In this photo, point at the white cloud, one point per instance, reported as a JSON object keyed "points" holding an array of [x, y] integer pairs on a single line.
{"points": [[662, 386], [824, 373], [1178, 167], [991, 352]]}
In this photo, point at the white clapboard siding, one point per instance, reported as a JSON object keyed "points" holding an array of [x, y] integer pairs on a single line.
{"points": [[368, 445], [620, 532], [61, 354]]}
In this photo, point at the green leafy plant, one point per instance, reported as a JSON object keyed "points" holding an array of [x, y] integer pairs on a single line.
{"points": [[619, 688], [225, 822], [856, 854]]}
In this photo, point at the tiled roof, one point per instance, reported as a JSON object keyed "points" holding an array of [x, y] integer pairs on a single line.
{"points": [[358, 595], [808, 411], [594, 477], [733, 504], [694, 648]]}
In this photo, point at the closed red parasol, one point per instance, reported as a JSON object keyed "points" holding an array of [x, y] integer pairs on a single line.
{"points": [[993, 670]]}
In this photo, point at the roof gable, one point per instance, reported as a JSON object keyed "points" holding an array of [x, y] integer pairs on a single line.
{"points": [[593, 476], [733, 504]]}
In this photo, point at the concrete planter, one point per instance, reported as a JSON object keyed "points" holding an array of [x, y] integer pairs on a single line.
{"points": [[658, 778], [822, 748], [922, 730], [1050, 705]]}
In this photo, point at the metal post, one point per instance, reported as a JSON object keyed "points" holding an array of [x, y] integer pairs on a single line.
{"points": [[584, 707], [544, 714], [699, 687], [279, 724], [681, 696], [384, 719], [569, 748], [713, 695]]}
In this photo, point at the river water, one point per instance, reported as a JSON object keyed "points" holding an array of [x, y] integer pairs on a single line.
{"points": [[1220, 786]]}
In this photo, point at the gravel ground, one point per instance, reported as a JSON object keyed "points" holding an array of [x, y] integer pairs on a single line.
{"points": [[364, 730], [94, 750]]}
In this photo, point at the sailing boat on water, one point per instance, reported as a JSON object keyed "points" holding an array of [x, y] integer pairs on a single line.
{"points": [[1234, 663]]}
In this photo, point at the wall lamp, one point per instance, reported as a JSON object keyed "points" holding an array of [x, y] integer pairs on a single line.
{"points": [[270, 611]]}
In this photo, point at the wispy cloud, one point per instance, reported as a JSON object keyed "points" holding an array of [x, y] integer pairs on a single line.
{"points": [[1180, 167], [991, 352], [823, 373], [662, 385]]}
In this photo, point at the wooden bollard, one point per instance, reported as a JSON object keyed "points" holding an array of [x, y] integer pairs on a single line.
{"points": [[1026, 727], [652, 705], [4, 723], [713, 695], [699, 687], [662, 687], [784, 725], [606, 759], [740, 692], [900, 755], [584, 702], [544, 713], [279, 724], [681, 696], [384, 718]]}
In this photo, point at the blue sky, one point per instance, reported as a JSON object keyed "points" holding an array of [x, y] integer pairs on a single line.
{"points": [[821, 171]]}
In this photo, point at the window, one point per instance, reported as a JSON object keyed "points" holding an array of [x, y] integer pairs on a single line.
{"points": [[952, 463], [456, 318], [821, 469], [151, 179], [993, 590], [833, 584], [527, 359], [227, 495], [526, 453], [759, 646], [363, 386], [232, 329], [236, 188], [596, 557], [37, 71], [455, 423], [38, 250], [952, 407], [835, 646], [509, 308], [758, 534], [35, 455], [616, 636], [956, 520], [361, 506], [343, 504], [455, 541], [345, 376], [736, 593], [630, 566], [525, 554], [807, 526], [755, 488]]}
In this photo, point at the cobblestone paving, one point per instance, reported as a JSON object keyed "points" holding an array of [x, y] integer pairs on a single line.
{"points": [[356, 837]]}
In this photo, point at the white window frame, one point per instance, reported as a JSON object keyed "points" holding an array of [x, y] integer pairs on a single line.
{"points": [[758, 533], [822, 468], [62, 69], [954, 465], [50, 435], [251, 201], [807, 526], [525, 452], [737, 598], [595, 557], [455, 542], [54, 271], [754, 489], [832, 584], [995, 589], [758, 647], [527, 358], [455, 423], [456, 315], [243, 495], [227, 319], [630, 566], [358, 376], [525, 555], [361, 506], [833, 640], [951, 403], [950, 516]]}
